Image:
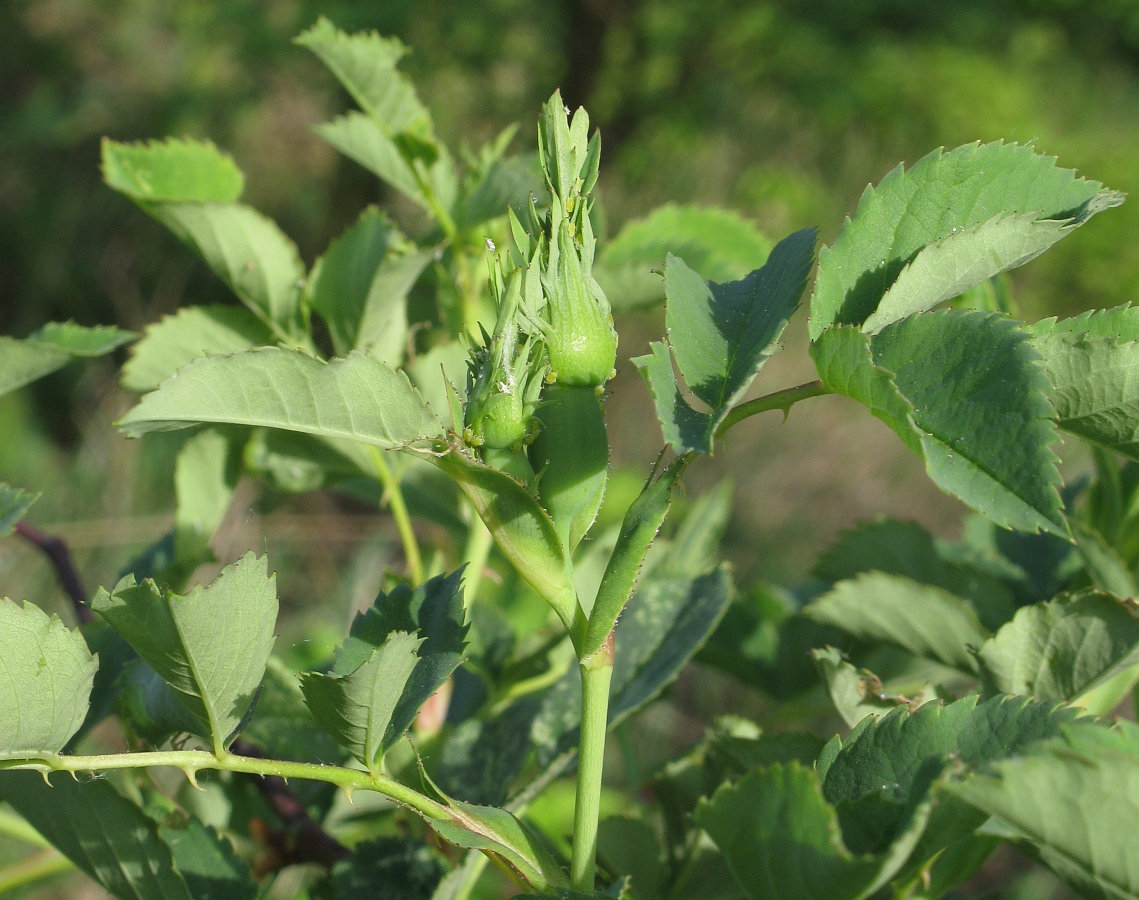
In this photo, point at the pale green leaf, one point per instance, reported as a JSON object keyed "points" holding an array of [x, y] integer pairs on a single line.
{"points": [[357, 398], [1060, 649], [243, 247], [46, 673], [214, 671], [942, 194], [1076, 799], [192, 332], [360, 139], [104, 834], [950, 266], [781, 839], [1103, 564], [14, 505], [719, 243], [365, 63], [356, 708], [51, 348], [920, 618], [205, 475], [360, 285], [172, 171], [246, 250]]}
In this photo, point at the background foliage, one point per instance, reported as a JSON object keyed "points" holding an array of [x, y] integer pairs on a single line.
{"points": [[783, 111]]}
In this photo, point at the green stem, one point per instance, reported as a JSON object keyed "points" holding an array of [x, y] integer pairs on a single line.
{"points": [[596, 673], [34, 868], [399, 513], [783, 400], [475, 555], [193, 761]]}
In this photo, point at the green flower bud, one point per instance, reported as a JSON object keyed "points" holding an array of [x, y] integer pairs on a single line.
{"points": [[580, 341], [499, 421], [570, 456]]}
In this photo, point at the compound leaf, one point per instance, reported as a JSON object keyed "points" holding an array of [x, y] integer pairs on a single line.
{"points": [[193, 332], [358, 398], [214, 671], [920, 618], [97, 828], [960, 201], [1060, 649], [47, 677]]}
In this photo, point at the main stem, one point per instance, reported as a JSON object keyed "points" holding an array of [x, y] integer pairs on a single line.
{"points": [[596, 673]]}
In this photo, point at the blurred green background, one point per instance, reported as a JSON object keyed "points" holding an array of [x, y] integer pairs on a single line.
{"points": [[783, 111]]}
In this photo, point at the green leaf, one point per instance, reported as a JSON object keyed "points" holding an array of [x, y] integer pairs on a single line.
{"points": [[149, 707], [48, 672], [215, 672], [357, 708], [51, 348], [908, 550], [1075, 799], [504, 838], [781, 839], [720, 243], [172, 171], [969, 387], [1061, 649], [387, 868], [358, 398], [888, 765], [362, 140], [1000, 201], [104, 834], [433, 612], [506, 183], [1094, 389], [193, 332], [245, 249], [283, 726], [360, 285], [521, 528], [856, 693], [14, 505], [627, 846], [682, 427], [722, 334], [207, 862], [365, 64], [205, 475], [920, 618], [481, 758]]}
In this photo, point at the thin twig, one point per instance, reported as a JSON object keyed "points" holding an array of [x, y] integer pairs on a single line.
{"points": [[56, 551]]}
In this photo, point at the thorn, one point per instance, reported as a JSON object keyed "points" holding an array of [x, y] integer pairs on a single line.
{"points": [[348, 790], [192, 777]]}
